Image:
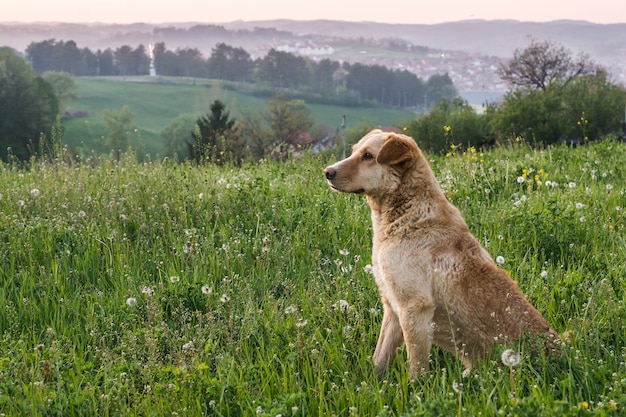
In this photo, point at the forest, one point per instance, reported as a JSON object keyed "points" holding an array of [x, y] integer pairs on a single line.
{"points": [[323, 81]]}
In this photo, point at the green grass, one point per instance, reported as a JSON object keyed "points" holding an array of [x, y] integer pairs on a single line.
{"points": [[156, 102], [236, 275]]}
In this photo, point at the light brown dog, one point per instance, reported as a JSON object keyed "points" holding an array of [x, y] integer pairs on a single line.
{"points": [[437, 284]]}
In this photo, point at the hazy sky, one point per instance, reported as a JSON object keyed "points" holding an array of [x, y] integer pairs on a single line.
{"points": [[388, 11]]}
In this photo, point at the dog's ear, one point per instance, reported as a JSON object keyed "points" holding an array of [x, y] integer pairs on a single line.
{"points": [[396, 150]]}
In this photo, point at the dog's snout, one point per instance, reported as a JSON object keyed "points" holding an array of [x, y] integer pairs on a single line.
{"points": [[330, 173]]}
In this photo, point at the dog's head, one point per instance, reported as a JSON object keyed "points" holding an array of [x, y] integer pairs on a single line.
{"points": [[376, 165]]}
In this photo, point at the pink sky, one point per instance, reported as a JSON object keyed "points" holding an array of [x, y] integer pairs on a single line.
{"points": [[387, 11]]}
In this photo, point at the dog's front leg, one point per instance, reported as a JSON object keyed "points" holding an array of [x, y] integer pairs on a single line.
{"points": [[416, 322], [389, 341]]}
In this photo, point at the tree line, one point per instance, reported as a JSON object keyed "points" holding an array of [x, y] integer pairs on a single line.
{"points": [[554, 97], [325, 81]]}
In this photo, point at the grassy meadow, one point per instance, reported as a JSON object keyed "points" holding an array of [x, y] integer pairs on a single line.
{"points": [[157, 101], [163, 289]]}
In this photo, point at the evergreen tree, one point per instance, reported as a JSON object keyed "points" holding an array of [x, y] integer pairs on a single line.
{"points": [[216, 139]]}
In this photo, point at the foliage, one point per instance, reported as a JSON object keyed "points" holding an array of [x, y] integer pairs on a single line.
{"points": [[558, 98], [230, 63], [278, 71], [586, 108], [176, 136], [284, 127], [535, 116], [543, 63], [64, 87], [169, 289], [28, 107], [438, 88], [217, 140], [449, 124], [120, 125]]}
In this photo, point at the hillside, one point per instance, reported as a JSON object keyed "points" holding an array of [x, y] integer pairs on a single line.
{"points": [[156, 102]]}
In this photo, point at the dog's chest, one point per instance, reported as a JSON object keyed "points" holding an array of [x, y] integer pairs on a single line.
{"points": [[386, 285]]}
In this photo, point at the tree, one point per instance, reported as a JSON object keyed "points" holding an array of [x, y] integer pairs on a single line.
{"points": [[439, 87], [217, 139], [280, 130], [284, 70], [585, 108], [448, 124], [176, 136], [64, 87], [120, 124], [28, 106], [229, 63], [542, 63]]}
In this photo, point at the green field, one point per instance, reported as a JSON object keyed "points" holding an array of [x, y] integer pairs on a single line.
{"points": [[158, 101], [160, 289]]}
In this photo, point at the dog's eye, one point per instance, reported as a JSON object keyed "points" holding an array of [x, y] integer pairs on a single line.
{"points": [[367, 156]]}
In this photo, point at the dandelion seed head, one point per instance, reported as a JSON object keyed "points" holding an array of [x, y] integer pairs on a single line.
{"points": [[174, 279], [344, 252], [580, 206], [224, 298], [207, 290], [500, 260], [341, 305], [292, 309], [520, 180], [544, 274], [35, 192], [457, 387], [131, 301], [511, 358], [147, 291]]}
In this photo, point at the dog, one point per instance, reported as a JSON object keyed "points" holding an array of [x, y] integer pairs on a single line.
{"points": [[437, 283]]}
